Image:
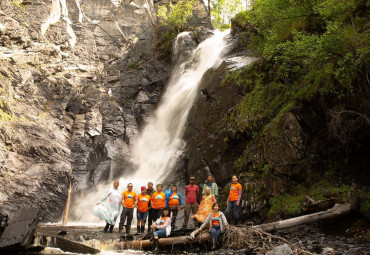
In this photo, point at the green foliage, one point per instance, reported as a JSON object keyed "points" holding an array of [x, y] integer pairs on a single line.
{"points": [[163, 44], [241, 19], [223, 10], [20, 4], [292, 204], [307, 49], [288, 204], [5, 114], [177, 15], [133, 65]]}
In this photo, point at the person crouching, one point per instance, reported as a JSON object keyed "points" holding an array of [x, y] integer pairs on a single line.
{"points": [[218, 224], [161, 228]]}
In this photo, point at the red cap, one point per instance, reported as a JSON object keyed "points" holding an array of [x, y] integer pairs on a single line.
{"points": [[143, 188]]}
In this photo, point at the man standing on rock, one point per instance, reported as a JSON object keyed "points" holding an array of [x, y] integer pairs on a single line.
{"points": [[151, 218], [129, 202], [191, 192], [233, 200], [212, 185]]}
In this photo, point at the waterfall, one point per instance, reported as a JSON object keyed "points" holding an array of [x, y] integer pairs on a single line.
{"points": [[160, 144]]}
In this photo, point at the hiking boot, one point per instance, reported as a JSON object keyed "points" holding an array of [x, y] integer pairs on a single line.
{"points": [[142, 229], [111, 228], [106, 228], [156, 245], [138, 230], [120, 227], [236, 222]]}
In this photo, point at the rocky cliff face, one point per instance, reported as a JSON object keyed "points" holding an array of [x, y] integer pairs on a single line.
{"points": [[78, 79], [289, 159]]}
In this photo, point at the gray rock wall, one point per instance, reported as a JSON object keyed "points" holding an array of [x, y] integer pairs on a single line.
{"points": [[78, 80]]}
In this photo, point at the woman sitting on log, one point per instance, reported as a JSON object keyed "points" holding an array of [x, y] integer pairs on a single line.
{"points": [[218, 224], [205, 207], [161, 228], [108, 207]]}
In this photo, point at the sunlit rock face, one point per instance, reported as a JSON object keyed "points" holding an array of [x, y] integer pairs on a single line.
{"points": [[78, 78]]}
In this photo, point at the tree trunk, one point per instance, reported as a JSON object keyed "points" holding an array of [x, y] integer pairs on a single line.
{"points": [[337, 210], [141, 244]]}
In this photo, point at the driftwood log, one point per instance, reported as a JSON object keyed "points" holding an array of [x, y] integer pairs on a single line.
{"points": [[337, 210], [142, 244]]}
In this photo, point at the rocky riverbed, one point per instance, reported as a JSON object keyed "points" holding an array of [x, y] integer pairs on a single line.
{"points": [[311, 238]]}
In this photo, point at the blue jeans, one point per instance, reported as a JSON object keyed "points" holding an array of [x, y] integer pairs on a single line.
{"points": [[160, 233], [230, 205], [141, 215], [215, 231]]}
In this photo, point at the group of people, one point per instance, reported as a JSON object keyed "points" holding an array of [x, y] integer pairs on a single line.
{"points": [[161, 208]]}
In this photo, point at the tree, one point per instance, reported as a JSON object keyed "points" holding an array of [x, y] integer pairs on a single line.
{"points": [[223, 11], [177, 15]]}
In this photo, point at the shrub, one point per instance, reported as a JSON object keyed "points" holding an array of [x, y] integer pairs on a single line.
{"points": [[177, 15]]}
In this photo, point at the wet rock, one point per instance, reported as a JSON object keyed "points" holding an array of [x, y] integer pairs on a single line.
{"points": [[327, 251], [18, 235], [281, 250], [3, 223], [62, 233], [71, 246]]}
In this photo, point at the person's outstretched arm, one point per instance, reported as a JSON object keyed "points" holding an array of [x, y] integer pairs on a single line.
{"points": [[104, 197], [239, 197], [208, 219]]}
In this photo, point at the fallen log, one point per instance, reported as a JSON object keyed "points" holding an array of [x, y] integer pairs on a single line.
{"points": [[142, 244], [337, 210]]}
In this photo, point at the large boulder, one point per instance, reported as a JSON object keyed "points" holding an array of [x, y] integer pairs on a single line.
{"points": [[281, 250], [19, 234]]}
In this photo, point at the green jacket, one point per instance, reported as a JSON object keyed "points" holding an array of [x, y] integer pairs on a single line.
{"points": [[214, 189]]}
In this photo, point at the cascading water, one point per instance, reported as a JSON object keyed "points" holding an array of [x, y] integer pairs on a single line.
{"points": [[158, 147], [160, 143]]}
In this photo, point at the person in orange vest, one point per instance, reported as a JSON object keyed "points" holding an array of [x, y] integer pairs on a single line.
{"points": [[142, 210], [233, 200], [173, 201], [158, 201], [129, 202]]}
